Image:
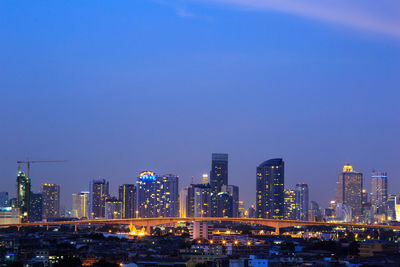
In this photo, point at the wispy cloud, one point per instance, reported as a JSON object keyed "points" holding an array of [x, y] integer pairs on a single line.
{"points": [[382, 16], [183, 12]]}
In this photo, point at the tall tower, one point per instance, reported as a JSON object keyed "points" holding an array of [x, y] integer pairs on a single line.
{"points": [[80, 205], [290, 204], [349, 190], [146, 195], [233, 191], [23, 195], [379, 190], [168, 200], [218, 177], [302, 202], [183, 202], [198, 200], [99, 192], [270, 186], [51, 200], [127, 195], [36, 207]]}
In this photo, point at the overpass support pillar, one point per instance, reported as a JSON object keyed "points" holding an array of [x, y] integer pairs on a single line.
{"points": [[76, 227], [148, 228]]}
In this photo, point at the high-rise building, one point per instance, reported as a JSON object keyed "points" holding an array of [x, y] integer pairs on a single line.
{"points": [[199, 200], [23, 195], [270, 186], [225, 204], [302, 202], [4, 199], [379, 192], [315, 213], [205, 179], [183, 201], [127, 195], [392, 202], [233, 191], [113, 208], [349, 190], [80, 204], [51, 200], [290, 204], [146, 194], [218, 177], [36, 207], [168, 199], [98, 194]]}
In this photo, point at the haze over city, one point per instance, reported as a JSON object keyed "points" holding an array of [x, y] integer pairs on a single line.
{"points": [[118, 88]]}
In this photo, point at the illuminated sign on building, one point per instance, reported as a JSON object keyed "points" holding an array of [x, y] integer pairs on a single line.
{"points": [[147, 175]]}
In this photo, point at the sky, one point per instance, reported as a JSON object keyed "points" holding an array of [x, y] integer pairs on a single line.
{"points": [[118, 87]]}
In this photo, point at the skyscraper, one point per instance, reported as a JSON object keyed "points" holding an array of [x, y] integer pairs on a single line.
{"points": [[225, 204], [146, 194], [270, 186], [218, 177], [199, 200], [290, 204], [51, 200], [233, 191], [4, 199], [392, 203], [168, 199], [302, 202], [113, 208], [23, 195], [205, 179], [183, 201], [99, 192], [379, 192], [36, 207], [349, 190], [80, 204], [127, 195]]}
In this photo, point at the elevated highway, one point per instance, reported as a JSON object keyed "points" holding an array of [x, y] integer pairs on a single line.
{"points": [[150, 222]]}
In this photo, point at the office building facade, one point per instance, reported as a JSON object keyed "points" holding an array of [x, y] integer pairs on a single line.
{"points": [[147, 186], [290, 204], [51, 200], [36, 207], [302, 203], [270, 189], [23, 195], [127, 195], [80, 204], [379, 192], [349, 190], [218, 178], [168, 196], [98, 194]]}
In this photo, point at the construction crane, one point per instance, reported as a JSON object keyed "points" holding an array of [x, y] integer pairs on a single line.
{"points": [[29, 162]]}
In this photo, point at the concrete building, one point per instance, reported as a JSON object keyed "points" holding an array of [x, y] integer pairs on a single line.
{"points": [[80, 204], [9, 215], [36, 207], [168, 196], [183, 201], [290, 204], [201, 230], [127, 195], [113, 208]]}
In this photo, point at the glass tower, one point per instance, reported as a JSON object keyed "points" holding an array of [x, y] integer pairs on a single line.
{"points": [[218, 178], [23, 195], [270, 189]]}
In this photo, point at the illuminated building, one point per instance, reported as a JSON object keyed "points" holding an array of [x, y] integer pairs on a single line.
{"points": [[302, 202], [290, 204], [225, 204], [199, 200], [36, 207], [364, 197], [146, 195], [392, 203], [127, 194], [315, 213], [113, 208], [218, 177], [242, 211], [23, 195], [252, 212], [349, 190], [4, 199], [51, 200], [98, 193], [201, 230], [233, 191], [205, 179], [9, 215], [379, 192], [168, 196], [270, 186], [80, 205], [183, 200]]}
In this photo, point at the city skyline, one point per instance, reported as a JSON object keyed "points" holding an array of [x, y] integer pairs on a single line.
{"points": [[143, 87]]}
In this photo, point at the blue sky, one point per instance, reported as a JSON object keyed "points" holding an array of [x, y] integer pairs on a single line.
{"points": [[117, 87]]}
